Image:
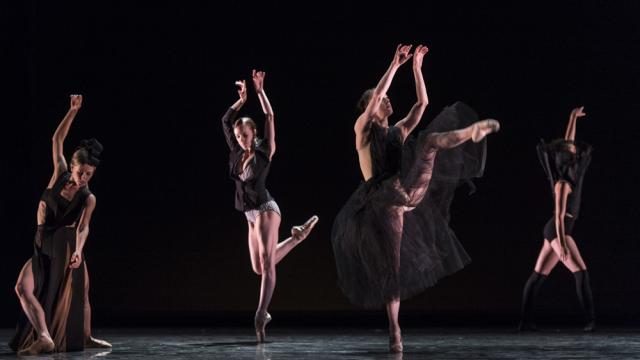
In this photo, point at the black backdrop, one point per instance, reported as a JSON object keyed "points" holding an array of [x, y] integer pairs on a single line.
{"points": [[156, 79]]}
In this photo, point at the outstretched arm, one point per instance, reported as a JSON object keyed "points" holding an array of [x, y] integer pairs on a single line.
{"points": [[269, 124], [562, 189], [82, 231], [570, 134], [362, 123], [59, 162], [230, 115], [412, 119]]}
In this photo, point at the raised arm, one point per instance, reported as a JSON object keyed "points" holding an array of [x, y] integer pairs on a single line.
{"points": [[269, 124], [362, 123], [562, 189], [59, 162], [412, 119], [82, 231], [570, 134], [230, 116]]}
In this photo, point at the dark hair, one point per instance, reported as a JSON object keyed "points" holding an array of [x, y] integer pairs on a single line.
{"points": [[365, 99], [561, 144], [88, 152]]}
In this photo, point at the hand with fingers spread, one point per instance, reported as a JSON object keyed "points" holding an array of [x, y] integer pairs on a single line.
{"points": [[578, 112], [402, 54], [242, 90], [418, 56], [258, 80], [76, 102]]}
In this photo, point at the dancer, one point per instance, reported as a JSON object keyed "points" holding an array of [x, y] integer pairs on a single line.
{"points": [[249, 162], [565, 162], [391, 239], [53, 287]]}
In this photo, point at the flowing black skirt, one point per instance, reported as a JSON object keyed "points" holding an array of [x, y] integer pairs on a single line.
{"points": [[390, 244], [59, 289]]}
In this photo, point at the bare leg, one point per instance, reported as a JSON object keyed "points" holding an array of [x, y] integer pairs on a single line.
{"points": [[267, 225], [395, 335], [90, 341], [475, 132], [298, 233], [25, 287], [283, 248], [396, 218], [574, 261]]}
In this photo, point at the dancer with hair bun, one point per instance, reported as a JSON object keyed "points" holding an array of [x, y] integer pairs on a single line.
{"points": [[53, 286]]}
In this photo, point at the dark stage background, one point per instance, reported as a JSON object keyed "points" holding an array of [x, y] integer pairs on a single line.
{"points": [[165, 241]]}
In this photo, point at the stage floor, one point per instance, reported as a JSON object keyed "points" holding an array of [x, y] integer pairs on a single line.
{"points": [[356, 343]]}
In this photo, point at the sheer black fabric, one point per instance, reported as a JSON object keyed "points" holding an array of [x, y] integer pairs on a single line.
{"points": [[59, 289], [559, 164], [392, 238]]}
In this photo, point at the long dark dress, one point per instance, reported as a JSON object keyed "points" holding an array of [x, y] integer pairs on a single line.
{"points": [[59, 289], [392, 238], [559, 164]]}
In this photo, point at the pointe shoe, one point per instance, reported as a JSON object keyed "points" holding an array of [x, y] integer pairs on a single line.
{"points": [[483, 128], [93, 343], [527, 326], [395, 343], [260, 323], [590, 326], [40, 346], [301, 232]]}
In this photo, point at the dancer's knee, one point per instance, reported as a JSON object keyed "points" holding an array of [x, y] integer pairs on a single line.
{"points": [[257, 269], [19, 289]]}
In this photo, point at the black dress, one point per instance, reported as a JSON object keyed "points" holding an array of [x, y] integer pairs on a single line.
{"points": [[58, 288], [392, 238], [559, 164]]}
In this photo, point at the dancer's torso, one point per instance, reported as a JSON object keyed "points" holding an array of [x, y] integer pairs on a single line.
{"points": [[55, 211]]}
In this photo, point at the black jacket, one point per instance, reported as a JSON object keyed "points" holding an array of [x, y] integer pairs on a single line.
{"points": [[252, 192]]}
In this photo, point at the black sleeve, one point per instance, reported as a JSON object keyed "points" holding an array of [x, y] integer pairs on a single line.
{"points": [[227, 127]]}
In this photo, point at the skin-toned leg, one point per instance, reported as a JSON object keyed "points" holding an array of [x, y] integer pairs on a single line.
{"points": [[283, 248], [89, 340], [547, 259], [396, 219], [256, 264], [25, 287], [574, 260], [267, 224], [474, 132], [298, 233]]}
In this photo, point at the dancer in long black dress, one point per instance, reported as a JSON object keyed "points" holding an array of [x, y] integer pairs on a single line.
{"points": [[249, 163], [565, 162], [53, 286], [391, 239]]}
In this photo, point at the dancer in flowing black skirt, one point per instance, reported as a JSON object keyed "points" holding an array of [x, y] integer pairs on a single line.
{"points": [[53, 286], [391, 239]]}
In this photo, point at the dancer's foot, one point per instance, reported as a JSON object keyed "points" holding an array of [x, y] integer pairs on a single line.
{"points": [[44, 344], [590, 326], [260, 322], [395, 342], [483, 128], [93, 343], [300, 232], [527, 326]]}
